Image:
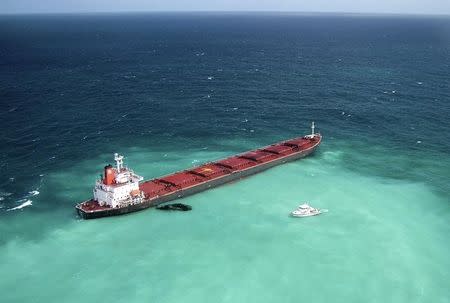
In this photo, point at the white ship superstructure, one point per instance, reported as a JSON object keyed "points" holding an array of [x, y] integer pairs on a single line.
{"points": [[119, 186]]}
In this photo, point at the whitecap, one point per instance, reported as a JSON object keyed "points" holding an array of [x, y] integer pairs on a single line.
{"points": [[24, 204], [33, 193], [420, 83], [4, 194], [210, 77]]}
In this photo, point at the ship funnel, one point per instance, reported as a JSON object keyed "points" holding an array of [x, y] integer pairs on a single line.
{"points": [[110, 175]]}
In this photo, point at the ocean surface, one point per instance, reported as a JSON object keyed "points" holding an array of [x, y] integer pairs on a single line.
{"points": [[171, 91]]}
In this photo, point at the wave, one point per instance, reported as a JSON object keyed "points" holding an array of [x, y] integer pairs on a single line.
{"points": [[24, 204], [33, 193], [3, 195]]}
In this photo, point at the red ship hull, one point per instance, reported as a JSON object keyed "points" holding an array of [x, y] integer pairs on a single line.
{"points": [[206, 176]]}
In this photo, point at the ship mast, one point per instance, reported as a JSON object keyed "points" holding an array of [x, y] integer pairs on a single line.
{"points": [[312, 129], [119, 162]]}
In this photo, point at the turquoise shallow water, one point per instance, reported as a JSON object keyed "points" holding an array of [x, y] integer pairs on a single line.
{"points": [[382, 238], [140, 85]]}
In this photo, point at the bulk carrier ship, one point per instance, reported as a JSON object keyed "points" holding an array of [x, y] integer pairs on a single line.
{"points": [[120, 190]]}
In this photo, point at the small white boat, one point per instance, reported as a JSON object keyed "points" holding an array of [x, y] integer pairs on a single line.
{"points": [[305, 210]]}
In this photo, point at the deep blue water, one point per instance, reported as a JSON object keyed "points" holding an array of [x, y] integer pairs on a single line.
{"points": [[76, 88]]}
